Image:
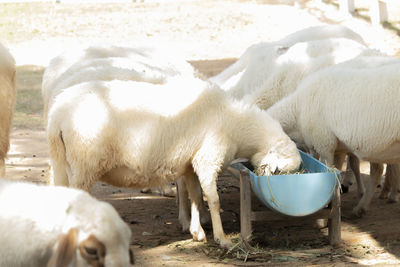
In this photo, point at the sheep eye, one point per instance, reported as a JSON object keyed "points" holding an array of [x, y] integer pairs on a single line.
{"points": [[91, 252]]}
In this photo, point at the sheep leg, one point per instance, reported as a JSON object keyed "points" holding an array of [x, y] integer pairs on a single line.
{"points": [[204, 213], [387, 184], [58, 173], [347, 178], [182, 201], [194, 191], [328, 159], [209, 186], [354, 164], [387, 187], [60, 169], [339, 160], [393, 172], [376, 171]]}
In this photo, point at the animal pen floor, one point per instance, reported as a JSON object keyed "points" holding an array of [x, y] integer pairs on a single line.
{"points": [[157, 238], [212, 39]]}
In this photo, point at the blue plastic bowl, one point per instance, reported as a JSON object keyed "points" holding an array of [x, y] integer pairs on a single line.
{"points": [[296, 194]]}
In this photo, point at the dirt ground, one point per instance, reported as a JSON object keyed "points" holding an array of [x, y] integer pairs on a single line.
{"points": [[211, 40]]}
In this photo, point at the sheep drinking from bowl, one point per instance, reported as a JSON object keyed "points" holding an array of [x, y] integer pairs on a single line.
{"points": [[348, 108], [270, 71], [139, 134], [267, 72]]}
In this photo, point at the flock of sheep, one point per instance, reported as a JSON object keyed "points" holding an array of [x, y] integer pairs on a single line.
{"points": [[143, 117]]}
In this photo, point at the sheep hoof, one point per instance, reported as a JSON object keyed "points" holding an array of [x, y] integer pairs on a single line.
{"points": [[199, 235], [224, 243], [393, 198], [359, 212]]}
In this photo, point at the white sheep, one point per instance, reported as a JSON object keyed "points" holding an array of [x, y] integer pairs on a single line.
{"points": [[57, 226], [112, 63], [7, 102], [139, 134], [348, 108], [265, 53], [388, 192], [266, 88], [271, 72], [270, 76], [289, 69]]}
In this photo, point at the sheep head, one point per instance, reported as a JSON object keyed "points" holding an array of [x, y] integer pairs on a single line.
{"points": [[281, 158], [90, 252]]}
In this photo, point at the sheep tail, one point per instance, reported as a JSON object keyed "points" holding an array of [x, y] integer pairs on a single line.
{"points": [[58, 157]]}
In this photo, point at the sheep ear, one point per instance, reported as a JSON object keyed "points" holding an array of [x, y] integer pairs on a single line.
{"points": [[239, 160], [232, 170], [65, 251]]}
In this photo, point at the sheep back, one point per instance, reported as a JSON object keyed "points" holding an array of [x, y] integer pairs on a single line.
{"points": [[109, 63], [352, 107]]}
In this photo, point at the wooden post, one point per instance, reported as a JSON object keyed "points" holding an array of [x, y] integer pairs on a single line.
{"points": [[378, 12], [334, 222], [245, 206], [346, 6]]}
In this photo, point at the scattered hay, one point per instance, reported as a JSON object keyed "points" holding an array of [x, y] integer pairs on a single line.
{"points": [[239, 251], [257, 252]]}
